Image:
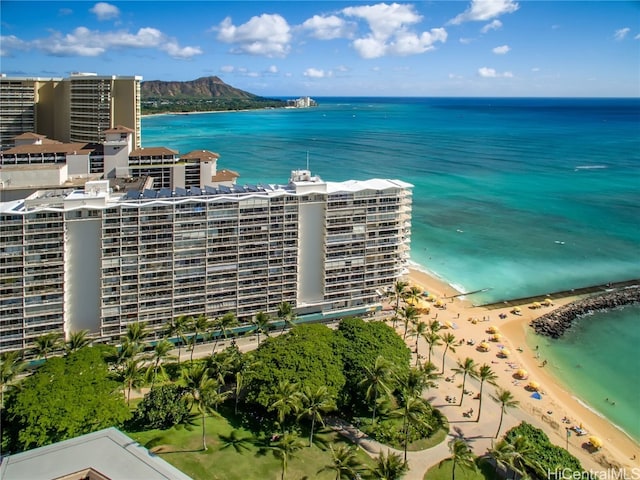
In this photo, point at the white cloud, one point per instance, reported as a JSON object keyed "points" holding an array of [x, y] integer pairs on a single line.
{"points": [[453, 76], [501, 50], [327, 28], [11, 43], [482, 10], [272, 69], [621, 33], [535, 69], [494, 25], [317, 73], [105, 11], [175, 51], [466, 41], [637, 37], [227, 68], [389, 32], [267, 35], [63, 12], [487, 72], [91, 43]]}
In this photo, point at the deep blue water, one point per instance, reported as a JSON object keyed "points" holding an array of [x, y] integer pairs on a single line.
{"points": [[523, 196]]}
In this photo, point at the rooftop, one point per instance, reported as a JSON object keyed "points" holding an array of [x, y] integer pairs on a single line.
{"points": [[109, 453]]}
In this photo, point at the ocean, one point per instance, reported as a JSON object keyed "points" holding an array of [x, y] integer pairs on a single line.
{"points": [[521, 196]]}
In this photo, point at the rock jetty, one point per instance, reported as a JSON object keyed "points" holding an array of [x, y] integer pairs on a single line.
{"points": [[554, 324]]}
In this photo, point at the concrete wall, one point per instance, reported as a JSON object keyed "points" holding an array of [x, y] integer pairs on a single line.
{"points": [[83, 253], [311, 235], [45, 174]]}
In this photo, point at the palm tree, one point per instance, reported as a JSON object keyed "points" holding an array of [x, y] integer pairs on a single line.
{"points": [[415, 381], [344, 462], [287, 400], [485, 374], [47, 343], [313, 404], [237, 440], [134, 337], [448, 339], [377, 380], [132, 375], [467, 367], [177, 329], [461, 455], [398, 293], [11, 365], [78, 340], [433, 340], [506, 400], [285, 448], [286, 315], [413, 413], [419, 330], [389, 467], [200, 389], [435, 326], [261, 324], [238, 389], [524, 455], [413, 295], [409, 315], [198, 325], [502, 454], [224, 325], [159, 354]]}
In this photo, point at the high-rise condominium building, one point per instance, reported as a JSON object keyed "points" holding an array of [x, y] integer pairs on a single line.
{"points": [[75, 109], [98, 260]]}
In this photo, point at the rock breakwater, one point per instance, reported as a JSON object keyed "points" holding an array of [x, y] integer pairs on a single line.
{"points": [[554, 324]]}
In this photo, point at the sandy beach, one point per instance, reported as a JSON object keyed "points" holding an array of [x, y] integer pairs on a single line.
{"points": [[556, 403]]}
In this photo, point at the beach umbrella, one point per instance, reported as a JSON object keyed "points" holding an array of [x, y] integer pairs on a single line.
{"points": [[448, 324], [483, 347], [522, 373], [492, 329], [536, 305], [516, 309], [534, 386], [595, 441], [504, 352], [431, 297], [495, 337], [547, 301], [536, 395], [439, 303]]}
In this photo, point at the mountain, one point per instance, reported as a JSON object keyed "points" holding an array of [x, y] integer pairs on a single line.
{"points": [[201, 95], [201, 88]]}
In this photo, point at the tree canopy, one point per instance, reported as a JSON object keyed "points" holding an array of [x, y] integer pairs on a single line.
{"points": [[359, 344], [542, 455], [66, 397], [305, 355]]}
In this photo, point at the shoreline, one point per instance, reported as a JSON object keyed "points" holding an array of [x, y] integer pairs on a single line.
{"points": [[619, 448]]}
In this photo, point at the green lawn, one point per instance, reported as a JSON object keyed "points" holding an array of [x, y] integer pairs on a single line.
{"points": [[182, 448]]}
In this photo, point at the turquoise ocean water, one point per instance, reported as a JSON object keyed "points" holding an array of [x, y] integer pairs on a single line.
{"points": [[522, 196]]}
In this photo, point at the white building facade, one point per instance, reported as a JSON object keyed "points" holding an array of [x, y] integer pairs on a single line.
{"points": [[97, 260]]}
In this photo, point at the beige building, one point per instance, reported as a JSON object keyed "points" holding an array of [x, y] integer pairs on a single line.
{"points": [[79, 108]]}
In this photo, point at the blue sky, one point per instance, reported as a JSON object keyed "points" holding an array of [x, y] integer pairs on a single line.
{"points": [[336, 48]]}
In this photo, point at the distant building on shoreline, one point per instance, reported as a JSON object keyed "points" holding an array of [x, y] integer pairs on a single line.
{"points": [[102, 247], [74, 109], [302, 102]]}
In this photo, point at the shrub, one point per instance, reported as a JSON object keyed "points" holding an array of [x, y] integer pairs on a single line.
{"points": [[162, 407]]}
